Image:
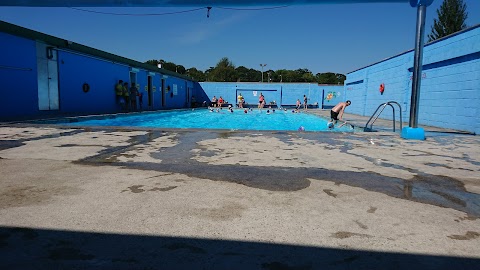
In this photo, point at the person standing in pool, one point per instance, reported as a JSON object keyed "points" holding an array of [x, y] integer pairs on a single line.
{"points": [[261, 101], [337, 112]]}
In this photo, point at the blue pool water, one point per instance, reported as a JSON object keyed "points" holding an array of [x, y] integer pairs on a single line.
{"points": [[203, 118]]}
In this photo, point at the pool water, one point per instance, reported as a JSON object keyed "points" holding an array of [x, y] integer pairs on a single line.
{"points": [[223, 119]]}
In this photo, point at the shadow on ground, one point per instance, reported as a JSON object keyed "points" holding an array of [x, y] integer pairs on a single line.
{"points": [[26, 248]]}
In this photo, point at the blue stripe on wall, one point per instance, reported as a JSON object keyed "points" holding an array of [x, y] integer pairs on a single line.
{"points": [[452, 61]]}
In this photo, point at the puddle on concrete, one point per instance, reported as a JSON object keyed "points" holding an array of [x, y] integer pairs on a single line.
{"points": [[361, 225], [163, 189], [18, 196], [330, 193], [10, 144], [224, 134], [467, 236], [468, 218], [207, 153], [445, 166], [424, 188], [343, 235], [135, 189]]}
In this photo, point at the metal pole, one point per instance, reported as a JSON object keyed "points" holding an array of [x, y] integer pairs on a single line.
{"points": [[417, 66], [262, 65]]}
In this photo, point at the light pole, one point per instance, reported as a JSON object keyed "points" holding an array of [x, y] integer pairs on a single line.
{"points": [[262, 65], [281, 78]]}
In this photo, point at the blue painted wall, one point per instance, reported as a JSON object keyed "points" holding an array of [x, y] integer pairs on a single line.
{"points": [[450, 86], [280, 93], [102, 76], [18, 77], [178, 99], [19, 87]]}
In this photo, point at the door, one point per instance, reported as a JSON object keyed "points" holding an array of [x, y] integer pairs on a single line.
{"points": [[164, 95], [47, 78], [149, 92], [187, 96], [133, 78]]}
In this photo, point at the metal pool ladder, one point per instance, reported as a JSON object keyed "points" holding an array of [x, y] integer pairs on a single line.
{"points": [[379, 110]]}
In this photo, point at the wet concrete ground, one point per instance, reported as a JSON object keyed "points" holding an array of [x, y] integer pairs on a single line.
{"points": [[136, 199]]}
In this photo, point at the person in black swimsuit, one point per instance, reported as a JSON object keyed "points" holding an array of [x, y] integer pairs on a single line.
{"points": [[337, 112]]}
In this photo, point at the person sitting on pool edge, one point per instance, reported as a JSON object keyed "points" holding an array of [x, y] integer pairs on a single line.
{"points": [[214, 102], [220, 102], [297, 106], [337, 112]]}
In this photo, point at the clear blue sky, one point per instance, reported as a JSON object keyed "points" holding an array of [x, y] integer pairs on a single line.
{"points": [[322, 38]]}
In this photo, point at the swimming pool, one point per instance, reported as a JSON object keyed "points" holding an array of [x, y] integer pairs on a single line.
{"points": [[205, 119]]}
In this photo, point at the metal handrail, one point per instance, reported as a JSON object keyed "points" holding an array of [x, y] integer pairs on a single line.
{"points": [[383, 105]]}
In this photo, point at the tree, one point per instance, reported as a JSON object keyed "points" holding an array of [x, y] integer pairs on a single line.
{"points": [[452, 15], [341, 78], [254, 75], [207, 74], [269, 75], [224, 71], [168, 65], [303, 75], [153, 62], [289, 76], [196, 74], [242, 73], [330, 78]]}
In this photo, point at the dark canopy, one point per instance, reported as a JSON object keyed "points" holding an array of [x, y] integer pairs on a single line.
{"points": [[167, 3]]}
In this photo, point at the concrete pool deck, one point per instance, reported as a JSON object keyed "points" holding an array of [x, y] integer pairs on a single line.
{"points": [[83, 198]]}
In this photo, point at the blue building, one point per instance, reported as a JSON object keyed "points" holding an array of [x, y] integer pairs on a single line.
{"points": [[45, 76], [450, 85]]}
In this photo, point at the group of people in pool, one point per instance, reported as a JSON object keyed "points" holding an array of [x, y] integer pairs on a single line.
{"points": [[262, 102], [336, 113], [220, 109], [230, 109]]}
